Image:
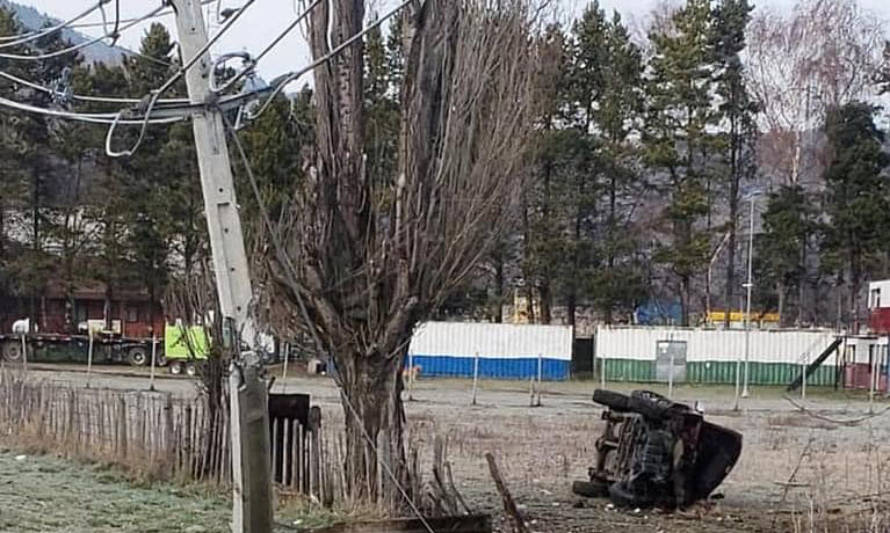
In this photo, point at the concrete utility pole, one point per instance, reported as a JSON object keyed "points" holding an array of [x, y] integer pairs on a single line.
{"points": [[251, 464]]}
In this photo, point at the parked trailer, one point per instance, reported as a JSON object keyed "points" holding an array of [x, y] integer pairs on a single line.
{"points": [[55, 347]]}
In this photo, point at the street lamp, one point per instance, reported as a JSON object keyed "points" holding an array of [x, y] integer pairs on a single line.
{"points": [[748, 286]]}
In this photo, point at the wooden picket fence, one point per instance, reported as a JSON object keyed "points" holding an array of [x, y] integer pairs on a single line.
{"points": [[156, 434], [161, 436]]}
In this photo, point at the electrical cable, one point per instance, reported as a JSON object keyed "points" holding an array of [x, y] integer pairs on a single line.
{"points": [[251, 66], [287, 79], [280, 250], [89, 24], [84, 98], [78, 47], [93, 118], [16, 40], [156, 94]]}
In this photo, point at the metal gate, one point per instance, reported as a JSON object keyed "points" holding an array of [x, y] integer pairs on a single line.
{"points": [[670, 360]]}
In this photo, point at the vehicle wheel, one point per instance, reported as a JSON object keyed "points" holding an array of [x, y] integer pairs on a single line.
{"points": [[621, 497], [176, 368], [137, 356], [650, 404], [191, 369], [12, 350], [611, 399], [591, 489]]}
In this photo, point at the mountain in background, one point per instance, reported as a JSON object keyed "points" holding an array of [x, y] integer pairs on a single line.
{"points": [[31, 20]]}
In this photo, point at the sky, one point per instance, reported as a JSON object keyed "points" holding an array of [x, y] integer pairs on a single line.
{"points": [[267, 18]]}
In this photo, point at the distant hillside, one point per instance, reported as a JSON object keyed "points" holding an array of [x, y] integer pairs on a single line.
{"points": [[31, 19]]}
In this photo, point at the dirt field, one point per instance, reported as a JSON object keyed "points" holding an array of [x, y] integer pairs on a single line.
{"points": [[798, 471]]}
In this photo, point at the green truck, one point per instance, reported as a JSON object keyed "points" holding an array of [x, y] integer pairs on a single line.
{"points": [[185, 348]]}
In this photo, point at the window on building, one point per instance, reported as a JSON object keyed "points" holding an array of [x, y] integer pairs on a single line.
{"points": [[132, 314], [875, 298]]}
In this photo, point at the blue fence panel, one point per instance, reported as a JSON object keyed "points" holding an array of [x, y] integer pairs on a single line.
{"points": [[495, 368]]}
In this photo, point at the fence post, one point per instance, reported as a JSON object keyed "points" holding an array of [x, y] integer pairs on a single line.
{"points": [[803, 376], [24, 352], [475, 375], [540, 377], [671, 372], [602, 371], [286, 350], [90, 358], [154, 353]]}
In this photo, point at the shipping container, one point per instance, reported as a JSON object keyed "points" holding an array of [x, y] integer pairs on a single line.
{"points": [[504, 351], [712, 356]]}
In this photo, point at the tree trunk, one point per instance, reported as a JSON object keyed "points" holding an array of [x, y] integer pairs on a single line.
{"points": [[499, 280], [802, 285], [685, 283], [371, 395], [546, 301], [780, 294]]}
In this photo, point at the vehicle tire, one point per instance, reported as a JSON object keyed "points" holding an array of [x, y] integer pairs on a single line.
{"points": [[621, 497], [650, 404], [12, 350], [176, 368], [137, 356], [611, 399], [591, 489], [191, 369]]}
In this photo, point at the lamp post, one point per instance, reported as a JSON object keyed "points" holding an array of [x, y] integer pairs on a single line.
{"points": [[748, 286]]}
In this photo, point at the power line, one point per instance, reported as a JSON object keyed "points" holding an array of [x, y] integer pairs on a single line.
{"points": [[251, 66], [93, 118], [84, 98], [287, 79], [33, 36], [77, 47], [155, 95], [165, 13]]}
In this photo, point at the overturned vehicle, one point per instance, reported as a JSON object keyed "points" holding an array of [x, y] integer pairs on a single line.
{"points": [[656, 452]]}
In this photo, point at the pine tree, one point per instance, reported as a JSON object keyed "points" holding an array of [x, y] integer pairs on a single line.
{"points": [[619, 283], [731, 18], [857, 200], [677, 141], [787, 222]]}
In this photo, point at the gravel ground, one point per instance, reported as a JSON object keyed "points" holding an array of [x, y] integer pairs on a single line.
{"points": [[834, 455]]}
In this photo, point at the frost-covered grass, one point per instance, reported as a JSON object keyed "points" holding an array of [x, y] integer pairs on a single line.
{"points": [[47, 494]]}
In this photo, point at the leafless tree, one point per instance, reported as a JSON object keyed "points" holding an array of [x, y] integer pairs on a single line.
{"points": [[823, 54], [362, 262]]}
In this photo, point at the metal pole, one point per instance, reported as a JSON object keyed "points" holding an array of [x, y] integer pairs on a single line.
{"points": [[873, 380], [748, 286], [410, 375], [90, 358], [251, 461], [540, 376], [671, 370], [154, 354], [475, 375]]}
